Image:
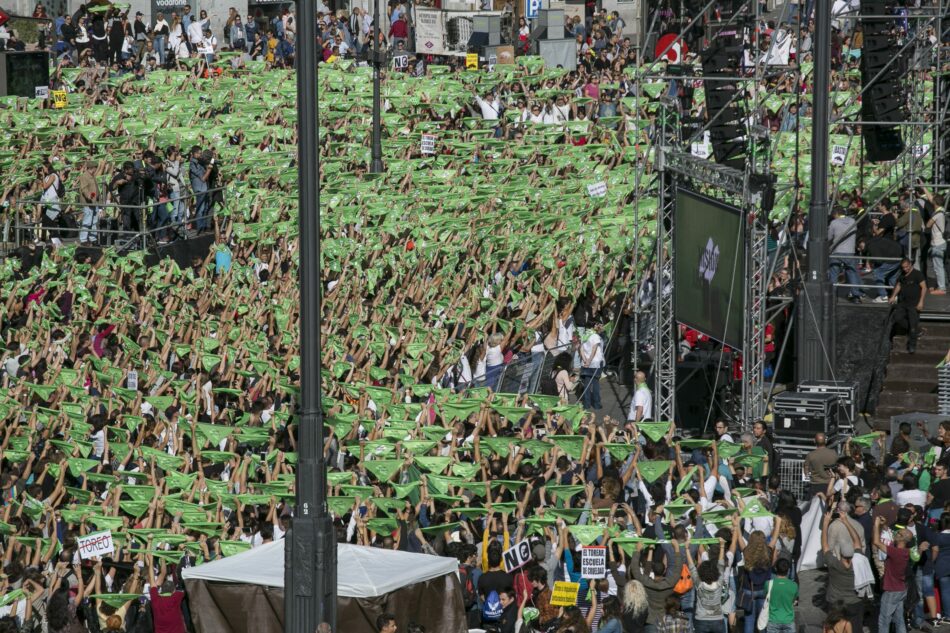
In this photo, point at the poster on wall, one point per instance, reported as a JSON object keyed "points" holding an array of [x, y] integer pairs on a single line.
{"points": [[445, 32]]}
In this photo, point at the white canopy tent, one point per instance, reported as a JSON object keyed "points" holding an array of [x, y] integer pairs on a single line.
{"points": [[362, 572], [244, 593]]}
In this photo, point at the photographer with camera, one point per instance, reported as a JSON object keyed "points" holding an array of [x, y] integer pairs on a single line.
{"points": [[127, 187], [155, 184], [200, 169]]}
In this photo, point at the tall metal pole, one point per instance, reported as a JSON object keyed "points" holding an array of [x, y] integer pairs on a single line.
{"points": [[377, 165], [310, 547], [816, 350]]}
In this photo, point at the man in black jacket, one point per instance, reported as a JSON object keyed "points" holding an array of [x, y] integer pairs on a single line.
{"points": [[908, 300], [69, 33]]}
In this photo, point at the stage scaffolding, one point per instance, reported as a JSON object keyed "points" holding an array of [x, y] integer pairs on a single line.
{"points": [[926, 158]]}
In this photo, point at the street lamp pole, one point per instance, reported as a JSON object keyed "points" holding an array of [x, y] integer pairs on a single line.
{"points": [[816, 347], [310, 546], [377, 165]]}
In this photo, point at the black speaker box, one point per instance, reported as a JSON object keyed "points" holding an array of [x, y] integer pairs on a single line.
{"points": [[22, 72], [882, 143]]}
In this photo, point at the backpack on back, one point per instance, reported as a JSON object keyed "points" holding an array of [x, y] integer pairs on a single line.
{"points": [[469, 595], [548, 385], [60, 188], [492, 609]]}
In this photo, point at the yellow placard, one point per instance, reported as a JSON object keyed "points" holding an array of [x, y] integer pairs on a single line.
{"points": [[471, 61], [60, 99], [564, 594]]}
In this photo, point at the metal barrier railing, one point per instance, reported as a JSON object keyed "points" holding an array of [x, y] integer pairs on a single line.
{"points": [[865, 258], [71, 223]]}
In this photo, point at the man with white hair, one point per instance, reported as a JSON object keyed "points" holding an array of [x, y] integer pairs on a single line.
{"points": [[839, 536]]}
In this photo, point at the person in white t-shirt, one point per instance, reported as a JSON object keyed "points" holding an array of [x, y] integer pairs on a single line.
{"points": [[490, 107], [494, 361], [591, 349], [641, 408]]}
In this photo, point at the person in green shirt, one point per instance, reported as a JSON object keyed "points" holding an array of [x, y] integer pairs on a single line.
{"points": [[783, 596]]}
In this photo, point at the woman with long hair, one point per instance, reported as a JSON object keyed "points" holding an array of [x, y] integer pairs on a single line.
{"points": [[611, 620], [635, 606], [573, 621], [757, 570]]}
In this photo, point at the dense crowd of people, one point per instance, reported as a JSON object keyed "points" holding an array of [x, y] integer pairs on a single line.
{"points": [[157, 403]]}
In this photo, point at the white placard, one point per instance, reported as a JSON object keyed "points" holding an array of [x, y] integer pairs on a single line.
{"points": [[593, 561], [921, 150], [517, 556], [401, 62], [839, 154], [41, 92], [597, 190], [97, 544], [133, 380], [428, 144]]}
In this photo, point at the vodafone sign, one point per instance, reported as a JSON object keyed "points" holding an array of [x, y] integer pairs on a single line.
{"points": [[675, 48]]}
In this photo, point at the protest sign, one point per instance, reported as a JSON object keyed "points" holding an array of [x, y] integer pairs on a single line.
{"points": [[597, 190], [517, 556], [839, 154], [428, 144], [95, 545], [564, 594], [593, 561]]}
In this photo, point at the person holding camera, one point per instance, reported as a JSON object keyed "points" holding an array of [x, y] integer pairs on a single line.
{"points": [[126, 187], [199, 172]]}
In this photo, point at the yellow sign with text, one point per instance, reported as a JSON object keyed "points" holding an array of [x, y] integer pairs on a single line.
{"points": [[471, 61], [60, 99], [564, 594]]}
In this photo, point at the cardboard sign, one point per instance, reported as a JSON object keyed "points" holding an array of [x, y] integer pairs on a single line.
{"points": [[41, 92], [60, 99], [97, 544], [471, 61], [517, 556], [839, 154], [400, 62], [564, 594], [597, 190], [593, 561], [428, 144]]}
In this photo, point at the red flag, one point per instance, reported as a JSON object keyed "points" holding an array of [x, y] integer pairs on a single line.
{"points": [[4, 18]]}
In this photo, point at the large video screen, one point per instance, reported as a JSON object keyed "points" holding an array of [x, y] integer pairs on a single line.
{"points": [[709, 267]]}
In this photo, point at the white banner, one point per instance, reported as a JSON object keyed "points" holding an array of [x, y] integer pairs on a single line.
{"points": [[445, 32], [597, 190], [97, 544]]}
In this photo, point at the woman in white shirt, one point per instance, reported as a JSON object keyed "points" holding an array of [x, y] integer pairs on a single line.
{"points": [[494, 361]]}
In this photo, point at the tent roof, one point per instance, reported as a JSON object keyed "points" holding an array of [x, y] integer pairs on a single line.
{"points": [[362, 572]]}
